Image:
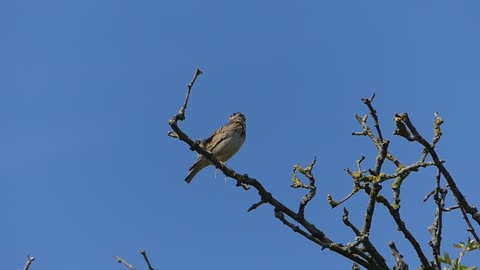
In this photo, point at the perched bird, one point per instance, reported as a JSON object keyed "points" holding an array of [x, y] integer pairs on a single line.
{"points": [[223, 143]]}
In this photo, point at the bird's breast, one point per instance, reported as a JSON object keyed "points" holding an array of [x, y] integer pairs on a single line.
{"points": [[228, 147]]}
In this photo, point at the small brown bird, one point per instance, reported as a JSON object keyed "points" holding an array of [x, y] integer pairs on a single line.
{"points": [[223, 143]]}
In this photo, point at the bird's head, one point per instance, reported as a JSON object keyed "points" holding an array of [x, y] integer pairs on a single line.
{"points": [[238, 117]]}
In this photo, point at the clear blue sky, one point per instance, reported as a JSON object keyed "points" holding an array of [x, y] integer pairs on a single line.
{"points": [[87, 87]]}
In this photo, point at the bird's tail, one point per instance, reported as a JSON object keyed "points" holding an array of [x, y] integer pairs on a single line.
{"points": [[196, 167]]}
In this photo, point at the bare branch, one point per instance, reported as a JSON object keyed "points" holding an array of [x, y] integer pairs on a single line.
{"points": [[373, 113], [462, 201], [382, 154], [370, 208], [359, 177], [395, 213], [356, 176], [350, 252], [124, 262], [366, 129], [428, 195], [451, 208], [144, 254], [256, 205], [334, 204], [365, 232], [307, 172], [29, 262], [436, 228], [297, 229], [181, 113], [349, 224], [469, 224], [368, 132], [401, 129], [399, 263]]}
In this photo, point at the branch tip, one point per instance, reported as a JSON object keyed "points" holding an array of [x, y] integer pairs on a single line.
{"points": [[144, 254]]}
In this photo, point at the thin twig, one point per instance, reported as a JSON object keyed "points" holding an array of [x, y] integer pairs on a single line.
{"points": [[144, 254], [29, 262], [124, 262], [181, 113], [279, 214], [256, 205], [356, 176], [399, 263], [428, 195], [307, 172], [373, 113], [451, 208], [367, 131], [462, 201], [355, 254], [394, 212], [334, 204], [469, 224], [436, 228], [349, 224], [359, 163]]}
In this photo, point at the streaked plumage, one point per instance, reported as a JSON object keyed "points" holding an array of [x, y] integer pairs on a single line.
{"points": [[223, 143]]}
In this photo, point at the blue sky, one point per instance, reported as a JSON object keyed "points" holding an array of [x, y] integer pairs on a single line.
{"points": [[87, 87]]}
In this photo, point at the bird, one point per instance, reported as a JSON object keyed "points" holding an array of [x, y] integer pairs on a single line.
{"points": [[223, 143]]}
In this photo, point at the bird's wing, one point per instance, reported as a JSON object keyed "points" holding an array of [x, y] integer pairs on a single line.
{"points": [[218, 136]]}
